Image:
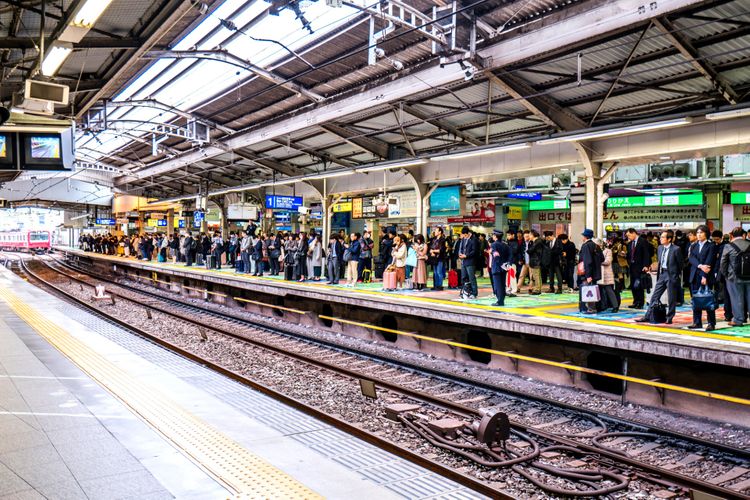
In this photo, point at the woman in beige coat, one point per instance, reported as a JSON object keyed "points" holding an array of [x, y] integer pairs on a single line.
{"points": [[420, 272], [607, 283], [399, 260]]}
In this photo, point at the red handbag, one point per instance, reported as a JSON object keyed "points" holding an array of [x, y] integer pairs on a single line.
{"points": [[581, 269]]}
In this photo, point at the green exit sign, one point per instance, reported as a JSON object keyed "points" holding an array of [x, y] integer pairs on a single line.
{"points": [[740, 199], [665, 200], [549, 205]]}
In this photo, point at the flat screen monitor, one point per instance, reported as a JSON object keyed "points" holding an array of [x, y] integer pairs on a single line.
{"points": [[7, 151], [42, 152]]}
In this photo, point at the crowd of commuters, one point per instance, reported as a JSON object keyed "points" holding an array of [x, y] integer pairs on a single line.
{"points": [[703, 262]]}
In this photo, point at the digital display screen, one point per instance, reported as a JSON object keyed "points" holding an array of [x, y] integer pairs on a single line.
{"points": [[45, 147], [3, 146]]}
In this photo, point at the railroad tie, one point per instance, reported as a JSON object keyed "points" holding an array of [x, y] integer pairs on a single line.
{"points": [[559, 421], [741, 486], [687, 460], [643, 449], [732, 473], [475, 399]]}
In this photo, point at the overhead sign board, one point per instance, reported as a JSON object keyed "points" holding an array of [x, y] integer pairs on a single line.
{"points": [[740, 199], [105, 222], [525, 196], [667, 200], [549, 205], [198, 217], [342, 206], [283, 202]]}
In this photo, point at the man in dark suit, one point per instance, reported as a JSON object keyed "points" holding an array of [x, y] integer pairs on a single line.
{"points": [[639, 262], [668, 272], [702, 273], [592, 259], [555, 265], [500, 260], [467, 252]]}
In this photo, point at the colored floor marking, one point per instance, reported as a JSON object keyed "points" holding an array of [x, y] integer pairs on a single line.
{"points": [[223, 458], [538, 305]]}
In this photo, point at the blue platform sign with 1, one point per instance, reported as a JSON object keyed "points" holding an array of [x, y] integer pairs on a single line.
{"points": [[283, 202]]}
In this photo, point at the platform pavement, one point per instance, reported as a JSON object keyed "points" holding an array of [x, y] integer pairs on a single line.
{"points": [[64, 436]]}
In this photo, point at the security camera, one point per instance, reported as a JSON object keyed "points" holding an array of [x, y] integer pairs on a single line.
{"points": [[379, 53], [397, 65], [469, 73]]}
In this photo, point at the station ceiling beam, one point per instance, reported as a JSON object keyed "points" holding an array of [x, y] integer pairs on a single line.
{"points": [[689, 52], [353, 137], [441, 124], [544, 108]]}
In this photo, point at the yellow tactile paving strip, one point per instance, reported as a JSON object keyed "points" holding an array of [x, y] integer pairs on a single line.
{"points": [[243, 473]]}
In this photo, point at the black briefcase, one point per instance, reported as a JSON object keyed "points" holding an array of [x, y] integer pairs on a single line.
{"points": [[657, 314]]}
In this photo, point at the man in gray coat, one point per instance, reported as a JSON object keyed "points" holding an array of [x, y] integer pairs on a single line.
{"points": [[738, 288]]}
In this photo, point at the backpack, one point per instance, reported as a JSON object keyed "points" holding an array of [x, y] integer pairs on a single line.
{"points": [[742, 263]]}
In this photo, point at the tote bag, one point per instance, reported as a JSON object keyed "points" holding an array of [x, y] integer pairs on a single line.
{"points": [[590, 293]]}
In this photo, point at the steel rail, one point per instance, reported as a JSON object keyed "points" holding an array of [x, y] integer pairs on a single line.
{"points": [[740, 452], [614, 456], [466, 480]]}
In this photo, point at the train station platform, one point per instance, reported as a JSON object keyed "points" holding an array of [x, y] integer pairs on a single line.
{"points": [[550, 316], [89, 410]]}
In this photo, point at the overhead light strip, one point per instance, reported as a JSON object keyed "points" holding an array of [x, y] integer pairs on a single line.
{"points": [[633, 129], [481, 152], [726, 115]]}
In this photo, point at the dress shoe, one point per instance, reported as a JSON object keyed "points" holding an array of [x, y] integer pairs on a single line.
{"points": [[694, 326], [615, 310], [710, 328], [497, 304], [551, 290], [669, 321], [634, 306], [732, 323], [641, 320], [559, 291]]}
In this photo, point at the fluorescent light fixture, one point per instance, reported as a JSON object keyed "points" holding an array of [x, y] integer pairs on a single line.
{"points": [[726, 115], [633, 129], [327, 175], [55, 58], [90, 12], [281, 182], [388, 166], [480, 152]]}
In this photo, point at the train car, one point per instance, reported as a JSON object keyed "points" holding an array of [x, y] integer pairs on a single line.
{"points": [[28, 241]]}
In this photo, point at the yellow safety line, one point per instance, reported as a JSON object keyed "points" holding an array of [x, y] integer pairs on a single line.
{"points": [[223, 458], [270, 305], [525, 311], [557, 364]]}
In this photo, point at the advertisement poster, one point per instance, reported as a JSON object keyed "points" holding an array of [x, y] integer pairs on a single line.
{"points": [[403, 204], [477, 211]]}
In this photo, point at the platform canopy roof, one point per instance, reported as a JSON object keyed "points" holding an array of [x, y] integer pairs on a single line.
{"points": [[272, 84]]}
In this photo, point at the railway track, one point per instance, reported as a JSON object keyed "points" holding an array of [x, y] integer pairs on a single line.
{"points": [[584, 456]]}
